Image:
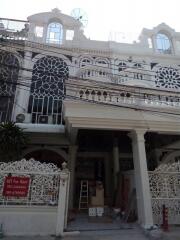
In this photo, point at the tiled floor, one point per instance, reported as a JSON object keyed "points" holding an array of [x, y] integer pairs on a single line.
{"points": [[85, 223]]}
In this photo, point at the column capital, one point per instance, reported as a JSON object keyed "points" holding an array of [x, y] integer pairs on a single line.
{"points": [[137, 134]]}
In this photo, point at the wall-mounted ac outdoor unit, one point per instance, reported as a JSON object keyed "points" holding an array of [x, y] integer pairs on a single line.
{"points": [[45, 119], [23, 118]]}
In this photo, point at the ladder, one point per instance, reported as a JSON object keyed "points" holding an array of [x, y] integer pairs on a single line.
{"points": [[83, 198]]}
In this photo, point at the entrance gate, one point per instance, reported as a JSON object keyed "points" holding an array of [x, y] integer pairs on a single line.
{"points": [[165, 189]]}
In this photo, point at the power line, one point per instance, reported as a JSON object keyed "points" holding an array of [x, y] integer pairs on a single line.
{"points": [[102, 84], [118, 92], [140, 87], [137, 107], [94, 65], [74, 49], [94, 81], [89, 64], [110, 75], [121, 106], [98, 83]]}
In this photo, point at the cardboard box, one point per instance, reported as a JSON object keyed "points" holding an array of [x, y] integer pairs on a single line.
{"points": [[98, 200], [100, 193]]}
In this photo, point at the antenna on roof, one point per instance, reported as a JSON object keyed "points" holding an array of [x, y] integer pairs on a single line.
{"points": [[80, 15]]}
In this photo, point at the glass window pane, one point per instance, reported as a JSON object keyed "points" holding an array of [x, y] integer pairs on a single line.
{"points": [[54, 33], [163, 44]]}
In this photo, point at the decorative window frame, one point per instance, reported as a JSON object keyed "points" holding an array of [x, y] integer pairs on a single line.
{"points": [[102, 62], [163, 51], [39, 93], [88, 58], [150, 34], [57, 21], [14, 90], [167, 77]]}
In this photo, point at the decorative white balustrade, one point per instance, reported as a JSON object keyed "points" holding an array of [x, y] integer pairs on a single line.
{"points": [[124, 97], [94, 73], [165, 189]]}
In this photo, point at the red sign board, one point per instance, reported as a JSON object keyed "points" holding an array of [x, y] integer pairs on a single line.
{"points": [[16, 186]]}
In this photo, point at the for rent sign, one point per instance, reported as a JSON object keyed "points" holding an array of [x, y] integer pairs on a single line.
{"points": [[16, 186]]}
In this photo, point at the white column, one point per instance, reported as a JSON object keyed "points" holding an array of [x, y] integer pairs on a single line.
{"points": [[71, 167], [142, 179], [116, 162], [23, 92], [62, 203]]}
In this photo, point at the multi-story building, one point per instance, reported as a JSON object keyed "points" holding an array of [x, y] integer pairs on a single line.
{"points": [[107, 108]]}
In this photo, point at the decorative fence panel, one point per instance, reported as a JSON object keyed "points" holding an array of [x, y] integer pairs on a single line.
{"points": [[165, 189], [37, 193], [43, 186]]}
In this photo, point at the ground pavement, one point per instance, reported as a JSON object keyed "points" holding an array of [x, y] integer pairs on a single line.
{"points": [[131, 234], [123, 234]]}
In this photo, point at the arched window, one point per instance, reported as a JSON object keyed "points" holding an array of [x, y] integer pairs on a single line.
{"points": [[47, 90], [9, 70], [122, 66], [85, 62], [54, 33], [163, 44], [137, 65], [102, 62]]}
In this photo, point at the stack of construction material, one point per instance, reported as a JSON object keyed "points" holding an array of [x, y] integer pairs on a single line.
{"points": [[98, 199]]}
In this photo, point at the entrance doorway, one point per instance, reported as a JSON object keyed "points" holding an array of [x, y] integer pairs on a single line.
{"points": [[102, 159], [91, 170]]}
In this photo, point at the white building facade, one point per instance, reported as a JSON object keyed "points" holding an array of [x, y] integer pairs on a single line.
{"points": [[106, 108]]}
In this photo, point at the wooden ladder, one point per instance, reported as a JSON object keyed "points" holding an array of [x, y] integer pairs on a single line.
{"points": [[83, 198]]}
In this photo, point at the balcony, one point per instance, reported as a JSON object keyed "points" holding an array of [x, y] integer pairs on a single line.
{"points": [[124, 96], [13, 29]]}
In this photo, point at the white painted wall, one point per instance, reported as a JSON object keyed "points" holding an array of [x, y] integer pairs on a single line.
{"points": [[21, 221]]}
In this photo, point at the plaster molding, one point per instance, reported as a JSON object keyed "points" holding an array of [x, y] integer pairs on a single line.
{"points": [[170, 157], [51, 148]]}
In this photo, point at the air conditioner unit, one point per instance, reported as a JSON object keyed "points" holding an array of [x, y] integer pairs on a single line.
{"points": [[23, 118], [45, 119]]}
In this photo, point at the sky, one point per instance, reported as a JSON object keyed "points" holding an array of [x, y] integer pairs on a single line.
{"points": [[107, 19]]}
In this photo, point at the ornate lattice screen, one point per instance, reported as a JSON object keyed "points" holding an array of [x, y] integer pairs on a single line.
{"points": [[165, 189], [47, 89], [9, 70]]}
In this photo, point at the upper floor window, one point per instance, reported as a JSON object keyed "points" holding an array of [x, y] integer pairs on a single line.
{"points": [[101, 62], [163, 44], [85, 62], [122, 66], [54, 33]]}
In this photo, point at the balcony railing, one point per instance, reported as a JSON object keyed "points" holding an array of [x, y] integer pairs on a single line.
{"points": [[122, 95], [13, 29]]}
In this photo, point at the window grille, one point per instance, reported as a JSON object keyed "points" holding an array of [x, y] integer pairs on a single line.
{"points": [[54, 33], [47, 90], [9, 70]]}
